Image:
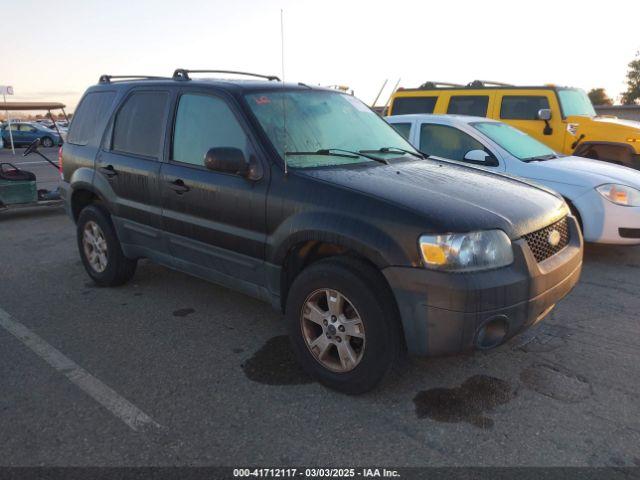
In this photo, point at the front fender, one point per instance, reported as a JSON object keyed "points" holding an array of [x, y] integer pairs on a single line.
{"points": [[339, 229]]}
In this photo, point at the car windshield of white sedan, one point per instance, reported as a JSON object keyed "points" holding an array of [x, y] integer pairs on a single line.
{"points": [[517, 143], [575, 102], [319, 128]]}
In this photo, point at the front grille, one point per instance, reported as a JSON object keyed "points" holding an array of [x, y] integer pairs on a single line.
{"points": [[539, 241]]}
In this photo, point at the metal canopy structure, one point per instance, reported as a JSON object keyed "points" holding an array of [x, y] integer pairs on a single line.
{"points": [[30, 106], [24, 106]]}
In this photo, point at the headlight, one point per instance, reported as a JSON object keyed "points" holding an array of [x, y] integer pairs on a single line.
{"points": [[463, 252], [620, 194]]}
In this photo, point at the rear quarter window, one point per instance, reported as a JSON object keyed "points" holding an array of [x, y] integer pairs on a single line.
{"points": [[90, 118], [405, 105], [519, 107]]}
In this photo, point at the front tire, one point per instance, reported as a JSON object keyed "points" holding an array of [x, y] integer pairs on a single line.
{"points": [[343, 324], [100, 249], [47, 142]]}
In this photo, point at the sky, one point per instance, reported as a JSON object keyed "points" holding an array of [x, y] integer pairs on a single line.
{"points": [[53, 50]]}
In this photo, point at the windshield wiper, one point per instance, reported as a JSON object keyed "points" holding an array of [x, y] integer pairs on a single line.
{"points": [[339, 152], [396, 150], [540, 158]]}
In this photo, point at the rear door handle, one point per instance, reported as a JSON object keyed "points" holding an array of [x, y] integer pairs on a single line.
{"points": [[178, 186], [109, 171]]}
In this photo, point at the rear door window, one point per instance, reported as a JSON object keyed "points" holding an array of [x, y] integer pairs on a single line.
{"points": [[474, 105], [90, 118], [139, 124], [405, 105], [520, 107], [446, 142]]}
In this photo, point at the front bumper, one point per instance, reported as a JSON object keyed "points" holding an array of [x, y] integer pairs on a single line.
{"points": [[605, 222], [443, 313]]}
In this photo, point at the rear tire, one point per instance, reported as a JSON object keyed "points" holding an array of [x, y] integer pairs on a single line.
{"points": [[100, 249], [47, 142], [376, 342]]}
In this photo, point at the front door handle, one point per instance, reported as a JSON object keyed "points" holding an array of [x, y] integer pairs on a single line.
{"points": [[109, 171], [178, 186]]}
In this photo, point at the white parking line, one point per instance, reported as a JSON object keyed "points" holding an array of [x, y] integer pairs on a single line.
{"points": [[29, 163], [107, 397]]}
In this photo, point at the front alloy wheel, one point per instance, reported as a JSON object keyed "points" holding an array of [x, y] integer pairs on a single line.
{"points": [[333, 330]]}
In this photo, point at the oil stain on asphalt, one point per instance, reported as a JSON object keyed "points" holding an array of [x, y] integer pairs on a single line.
{"points": [[183, 312], [466, 403], [275, 364]]}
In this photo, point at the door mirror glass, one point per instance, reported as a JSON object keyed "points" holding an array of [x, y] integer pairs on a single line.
{"points": [[476, 156], [227, 160], [544, 114]]}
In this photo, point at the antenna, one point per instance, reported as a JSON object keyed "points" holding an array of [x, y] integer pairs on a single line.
{"points": [[379, 93], [284, 104]]}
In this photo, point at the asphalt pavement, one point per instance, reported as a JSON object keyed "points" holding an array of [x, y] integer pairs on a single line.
{"points": [[172, 370]]}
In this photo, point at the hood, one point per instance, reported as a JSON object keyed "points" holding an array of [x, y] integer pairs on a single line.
{"points": [[450, 197], [606, 129], [582, 172]]}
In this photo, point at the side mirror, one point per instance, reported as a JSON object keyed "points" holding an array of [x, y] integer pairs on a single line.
{"points": [[33, 147], [227, 160], [476, 156], [544, 114]]}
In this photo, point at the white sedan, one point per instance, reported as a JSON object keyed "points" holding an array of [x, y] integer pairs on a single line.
{"points": [[605, 197]]}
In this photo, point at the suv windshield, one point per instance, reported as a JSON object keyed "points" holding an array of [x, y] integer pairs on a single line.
{"points": [[319, 124], [517, 143], [575, 102]]}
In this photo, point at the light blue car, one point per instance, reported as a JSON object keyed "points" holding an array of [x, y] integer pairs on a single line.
{"points": [[24, 133], [604, 197]]}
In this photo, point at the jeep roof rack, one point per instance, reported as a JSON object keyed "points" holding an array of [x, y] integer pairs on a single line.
{"points": [[487, 83], [430, 85], [109, 78], [183, 74]]}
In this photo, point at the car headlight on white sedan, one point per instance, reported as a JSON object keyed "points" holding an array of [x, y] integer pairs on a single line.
{"points": [[620, 194], [464, 252]]}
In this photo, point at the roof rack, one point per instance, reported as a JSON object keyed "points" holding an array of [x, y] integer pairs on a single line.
{"points": [[487, 83], [430, 85], [108, 78], [183, 74]]}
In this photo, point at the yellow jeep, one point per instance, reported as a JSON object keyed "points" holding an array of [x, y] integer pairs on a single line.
{"points": [[561, 117]]}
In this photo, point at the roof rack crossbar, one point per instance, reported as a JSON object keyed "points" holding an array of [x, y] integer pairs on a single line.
{"points": [[429, 84], [183, 74], [108, 78], [488, 83]]}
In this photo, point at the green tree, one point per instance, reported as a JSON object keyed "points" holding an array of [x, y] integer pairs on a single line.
{"points": [[599, 97], [632, 95]]}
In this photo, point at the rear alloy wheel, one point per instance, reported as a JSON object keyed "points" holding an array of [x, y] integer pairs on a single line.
{"points": [[47, 142], [95, 246], [100, 249], [333, 330]]}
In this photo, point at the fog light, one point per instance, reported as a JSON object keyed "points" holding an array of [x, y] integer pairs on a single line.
{"points": [[492, 332]]}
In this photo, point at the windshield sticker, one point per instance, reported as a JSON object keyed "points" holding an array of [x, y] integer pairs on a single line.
{"points": [[263, 100]]}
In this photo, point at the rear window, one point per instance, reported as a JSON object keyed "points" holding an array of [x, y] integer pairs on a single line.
{"points": [[139, 124], [405, 105], [90, 118], [518, 107], [474, 105]]}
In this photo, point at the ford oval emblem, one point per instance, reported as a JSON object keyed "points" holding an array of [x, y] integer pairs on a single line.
{"points": [[554, 238]]}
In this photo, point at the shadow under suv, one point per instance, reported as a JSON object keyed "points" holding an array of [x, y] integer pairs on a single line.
{"points": [[305, 198]]}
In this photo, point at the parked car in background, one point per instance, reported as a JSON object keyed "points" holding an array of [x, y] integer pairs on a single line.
{"points": [[24, 133], [604, 197], [562, 118], [307, 199]]}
